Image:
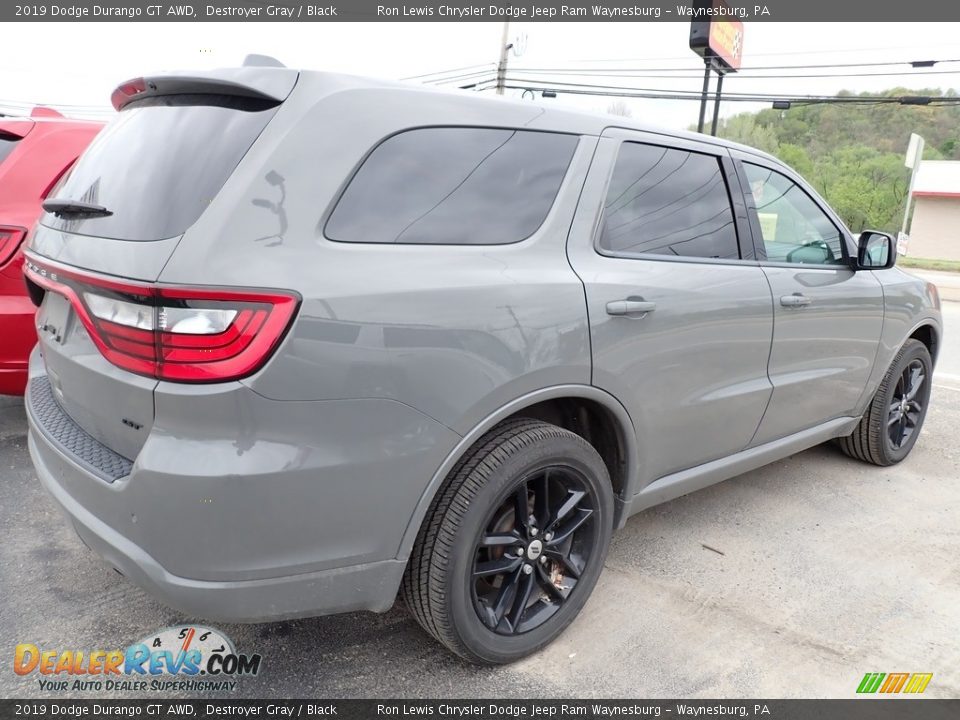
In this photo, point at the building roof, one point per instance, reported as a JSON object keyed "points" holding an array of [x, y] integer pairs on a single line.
{"points": [[937, 178]]}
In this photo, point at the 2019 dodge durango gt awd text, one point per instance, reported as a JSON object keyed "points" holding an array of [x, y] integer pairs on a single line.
{"points": [[343, 338]]}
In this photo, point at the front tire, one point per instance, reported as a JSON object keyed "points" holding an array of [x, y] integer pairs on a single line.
{"points": [[890, 427], [513, 544]]}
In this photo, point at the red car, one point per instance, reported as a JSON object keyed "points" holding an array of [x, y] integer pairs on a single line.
{"points": [[35, 152]]}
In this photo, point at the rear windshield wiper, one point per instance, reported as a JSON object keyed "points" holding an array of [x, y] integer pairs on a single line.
{"points": [[63, 208]]}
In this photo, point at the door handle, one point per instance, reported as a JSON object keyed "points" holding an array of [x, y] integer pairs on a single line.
{"points": [[795, 300], [630, 306]]}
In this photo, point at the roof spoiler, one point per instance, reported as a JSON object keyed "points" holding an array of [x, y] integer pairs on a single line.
{"points": [[41, 111], [269, 85]]}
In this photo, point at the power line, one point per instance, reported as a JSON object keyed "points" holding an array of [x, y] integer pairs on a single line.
{"points": [[786, 53], [641, 74], [451, 70], [688, 68], [649, 93]]}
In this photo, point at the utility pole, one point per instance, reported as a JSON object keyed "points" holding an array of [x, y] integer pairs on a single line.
{"points": [[502, 65]]}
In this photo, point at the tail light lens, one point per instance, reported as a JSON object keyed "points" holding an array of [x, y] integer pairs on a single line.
{"points": [[182, 334], [10, 239]]}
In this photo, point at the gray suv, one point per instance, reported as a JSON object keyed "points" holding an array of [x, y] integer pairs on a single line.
{"points": [[308, 341]]}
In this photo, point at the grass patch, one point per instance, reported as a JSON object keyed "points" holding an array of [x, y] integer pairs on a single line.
{"points": [[925, 264]]}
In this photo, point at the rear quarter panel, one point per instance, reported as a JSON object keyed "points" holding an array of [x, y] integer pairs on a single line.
{"points": [[453, 331]]}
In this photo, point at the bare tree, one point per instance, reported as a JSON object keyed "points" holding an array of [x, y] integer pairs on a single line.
{"points": [[619, 107]]}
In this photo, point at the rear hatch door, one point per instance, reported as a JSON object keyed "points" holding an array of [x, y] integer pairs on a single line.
{"points": [[116, 218]]}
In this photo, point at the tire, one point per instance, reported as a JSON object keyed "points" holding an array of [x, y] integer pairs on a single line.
{"points": [[448, 586], [874, 439]]}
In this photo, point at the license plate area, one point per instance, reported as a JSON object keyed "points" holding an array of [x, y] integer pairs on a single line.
{"points": [[53, 317]]}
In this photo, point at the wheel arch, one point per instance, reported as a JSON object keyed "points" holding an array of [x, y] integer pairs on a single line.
{"points": [[587, 408], [927, 333]]}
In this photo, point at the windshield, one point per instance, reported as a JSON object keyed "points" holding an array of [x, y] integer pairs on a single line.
{"points": [[158, 165]]}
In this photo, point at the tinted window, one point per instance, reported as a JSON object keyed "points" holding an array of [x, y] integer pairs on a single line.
{"points": [[156, 167], [665, 201], [794, 228], [462, 186], [7, 144]]}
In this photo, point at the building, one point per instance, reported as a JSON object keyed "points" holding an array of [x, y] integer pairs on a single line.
{"points": [[935, 228]]}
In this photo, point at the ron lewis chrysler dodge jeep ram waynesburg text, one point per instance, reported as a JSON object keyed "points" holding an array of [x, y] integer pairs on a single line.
{"points": [[308, 341]]}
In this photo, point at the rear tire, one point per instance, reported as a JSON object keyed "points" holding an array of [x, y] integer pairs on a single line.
{"points": [[889, 429], [492, 585]]}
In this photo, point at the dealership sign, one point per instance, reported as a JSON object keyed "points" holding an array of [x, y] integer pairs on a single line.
{"points": [[715, 32]]}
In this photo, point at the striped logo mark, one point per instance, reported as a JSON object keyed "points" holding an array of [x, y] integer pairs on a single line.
{"points": [[914, 683]]}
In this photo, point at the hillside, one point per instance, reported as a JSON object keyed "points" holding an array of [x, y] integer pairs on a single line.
{"points": [[853, 154]]}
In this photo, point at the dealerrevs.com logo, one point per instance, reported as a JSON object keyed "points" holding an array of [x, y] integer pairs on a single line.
{"points": [[191, 658]]}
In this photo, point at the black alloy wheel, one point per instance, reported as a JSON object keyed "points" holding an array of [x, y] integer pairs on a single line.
{"points": [[906, 407], [513, 543], [533, 550], [891, 423]]}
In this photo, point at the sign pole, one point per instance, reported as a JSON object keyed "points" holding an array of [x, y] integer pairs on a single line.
{"points": [[716, 104], [704, 93], [717, 37], [913, 160]]}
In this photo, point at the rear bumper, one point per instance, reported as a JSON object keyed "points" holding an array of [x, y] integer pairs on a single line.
{"points": [[371, 586], [230, 513]]}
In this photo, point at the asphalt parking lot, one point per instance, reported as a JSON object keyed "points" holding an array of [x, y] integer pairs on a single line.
{"points": [[829, 569]]}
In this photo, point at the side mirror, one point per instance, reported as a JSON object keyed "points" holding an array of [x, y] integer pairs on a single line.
{"points": [[876, 250]]}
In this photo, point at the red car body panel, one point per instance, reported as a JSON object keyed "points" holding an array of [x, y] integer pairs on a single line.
{"points": [[30, 166]]}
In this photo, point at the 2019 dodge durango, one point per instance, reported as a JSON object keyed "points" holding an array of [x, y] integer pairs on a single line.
{"points": [[310, 341]]}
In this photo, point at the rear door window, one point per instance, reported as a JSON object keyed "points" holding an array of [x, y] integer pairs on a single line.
{"points": [[668, 201], [159, 164], [456, 186]]}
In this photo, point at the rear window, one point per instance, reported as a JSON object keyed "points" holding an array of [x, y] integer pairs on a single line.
{"points": [[158, 165], [7, 144], [456, 186], [668, 201]]}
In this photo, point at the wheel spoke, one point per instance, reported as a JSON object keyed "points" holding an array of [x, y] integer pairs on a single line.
{"points": [[536, 615], [896, 432], [521, 599], [521, 509], [507, 592], [916, 382], [573, 499], [571, 568], [571, 526], [506, 564], [501, 540]]}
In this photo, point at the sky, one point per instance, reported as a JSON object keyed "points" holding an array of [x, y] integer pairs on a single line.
{"points": [[76, 66]]}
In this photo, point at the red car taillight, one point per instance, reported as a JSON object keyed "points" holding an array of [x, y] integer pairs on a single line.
{"points": [[10, 239], [183, 334]]}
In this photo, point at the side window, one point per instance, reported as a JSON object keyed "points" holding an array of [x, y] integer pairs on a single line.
{"points": [[794, 228], [667, 201], [454, 186], [7, 144]]}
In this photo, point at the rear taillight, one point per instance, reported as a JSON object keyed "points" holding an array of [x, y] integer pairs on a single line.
{"points": [[183, 334], [10, 239]]}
